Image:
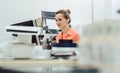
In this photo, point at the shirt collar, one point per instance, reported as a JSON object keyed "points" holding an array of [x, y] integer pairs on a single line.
{"points": [[68, 33]]}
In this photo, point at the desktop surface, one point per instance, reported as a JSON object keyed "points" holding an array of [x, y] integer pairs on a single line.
{"points": [[45, 66]]}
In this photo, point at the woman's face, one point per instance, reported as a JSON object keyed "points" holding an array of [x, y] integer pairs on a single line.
{"points": [[61, 21]]}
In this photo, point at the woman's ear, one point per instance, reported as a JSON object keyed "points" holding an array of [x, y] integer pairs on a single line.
{"points": [[68, 20]]}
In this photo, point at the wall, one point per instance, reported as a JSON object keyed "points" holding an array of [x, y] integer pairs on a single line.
{"points": [[115, 7], [98, 10], [14, 11]]}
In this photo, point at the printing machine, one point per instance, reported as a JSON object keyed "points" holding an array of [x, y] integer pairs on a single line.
{"points": [[23, 47]]}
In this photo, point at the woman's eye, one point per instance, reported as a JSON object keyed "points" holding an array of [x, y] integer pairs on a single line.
{"points": [[60, 19]]}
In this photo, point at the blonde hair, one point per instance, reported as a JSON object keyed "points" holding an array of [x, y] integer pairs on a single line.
{"points": [[66, 13]]}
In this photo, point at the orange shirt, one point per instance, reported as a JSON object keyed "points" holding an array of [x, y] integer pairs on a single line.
{"points": [[71, 35]]}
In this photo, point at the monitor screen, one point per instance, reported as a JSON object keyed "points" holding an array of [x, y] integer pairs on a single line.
{"points": [[52, 27], [51, 24]]}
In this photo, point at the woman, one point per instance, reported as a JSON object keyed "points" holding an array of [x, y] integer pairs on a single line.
{"points": [[63, 19]]}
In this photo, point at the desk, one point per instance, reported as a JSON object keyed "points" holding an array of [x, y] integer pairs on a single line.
{"points": [[36, 62], [46, 66]]}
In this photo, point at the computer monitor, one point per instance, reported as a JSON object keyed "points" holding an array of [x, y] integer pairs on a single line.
{"points": [[52, 27], [48, 20]]}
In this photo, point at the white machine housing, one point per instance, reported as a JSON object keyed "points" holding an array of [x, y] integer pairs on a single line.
{"points": [[24, 30], [21, 47]]}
